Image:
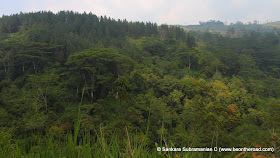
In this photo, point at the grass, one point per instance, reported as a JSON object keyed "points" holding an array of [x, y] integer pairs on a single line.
{"points": [[87, 146], [76, 143], [73, 145]]}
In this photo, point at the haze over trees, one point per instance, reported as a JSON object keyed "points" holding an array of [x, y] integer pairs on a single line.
{"points": [[78, 85]]}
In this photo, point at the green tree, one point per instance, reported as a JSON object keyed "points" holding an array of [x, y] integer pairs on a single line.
{"points": [[44, 85], [122, 90], [95, 69]]}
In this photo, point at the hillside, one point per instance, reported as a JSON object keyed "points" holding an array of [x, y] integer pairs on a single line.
{"points": [[217, 26], [273, 24], [79, 85]]}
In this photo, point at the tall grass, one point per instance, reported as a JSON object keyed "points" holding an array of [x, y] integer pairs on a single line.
{"points": [[77, 144], [74, 144], [87, 146]]}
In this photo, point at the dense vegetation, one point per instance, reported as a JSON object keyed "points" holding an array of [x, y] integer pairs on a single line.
{"points": [[236, 29], [80, 85]]}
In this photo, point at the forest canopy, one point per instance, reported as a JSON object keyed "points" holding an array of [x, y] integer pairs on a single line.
{"points": [[79, 85]]}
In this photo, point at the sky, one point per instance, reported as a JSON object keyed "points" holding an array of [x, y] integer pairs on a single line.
{"points": [[183, 12]]}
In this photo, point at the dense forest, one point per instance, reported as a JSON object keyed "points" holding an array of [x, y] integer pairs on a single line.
{"points": [[79, 85]]}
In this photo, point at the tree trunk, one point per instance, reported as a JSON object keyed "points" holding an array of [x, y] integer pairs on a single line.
{"points": [[224, 71], [45, 101], [189, 62], [34, 67], [22, 67], [91, 93]]}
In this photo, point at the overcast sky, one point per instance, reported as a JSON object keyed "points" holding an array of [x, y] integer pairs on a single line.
{"points": [[160, 11]]}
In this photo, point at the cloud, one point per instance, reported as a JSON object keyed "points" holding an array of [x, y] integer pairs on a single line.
{"points": [[240, 2], [166, 11], [94, 6]]}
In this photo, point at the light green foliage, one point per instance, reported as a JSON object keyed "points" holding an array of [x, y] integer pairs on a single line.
{"points": [[44, 86], [122, 90]]}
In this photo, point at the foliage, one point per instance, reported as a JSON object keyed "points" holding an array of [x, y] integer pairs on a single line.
{"points": [[78, 85]]}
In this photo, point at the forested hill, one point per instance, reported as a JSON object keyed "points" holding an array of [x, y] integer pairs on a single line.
{"points": [[237, 28], [78, 85], [78, 31]]}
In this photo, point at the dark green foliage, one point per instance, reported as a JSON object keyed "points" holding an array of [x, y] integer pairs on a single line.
{"points": [[78, 85]]}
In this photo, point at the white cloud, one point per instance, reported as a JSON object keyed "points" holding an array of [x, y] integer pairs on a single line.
{"points": [[191, 12], [166, 11], [240, 2], [76, 5]]}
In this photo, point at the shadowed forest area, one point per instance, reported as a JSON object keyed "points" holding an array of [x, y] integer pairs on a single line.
{"points": [[78, 85]]}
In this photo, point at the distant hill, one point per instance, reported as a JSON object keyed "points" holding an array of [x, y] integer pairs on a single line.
{"points": [[210, 28], [217, 26], [273, 24]]}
